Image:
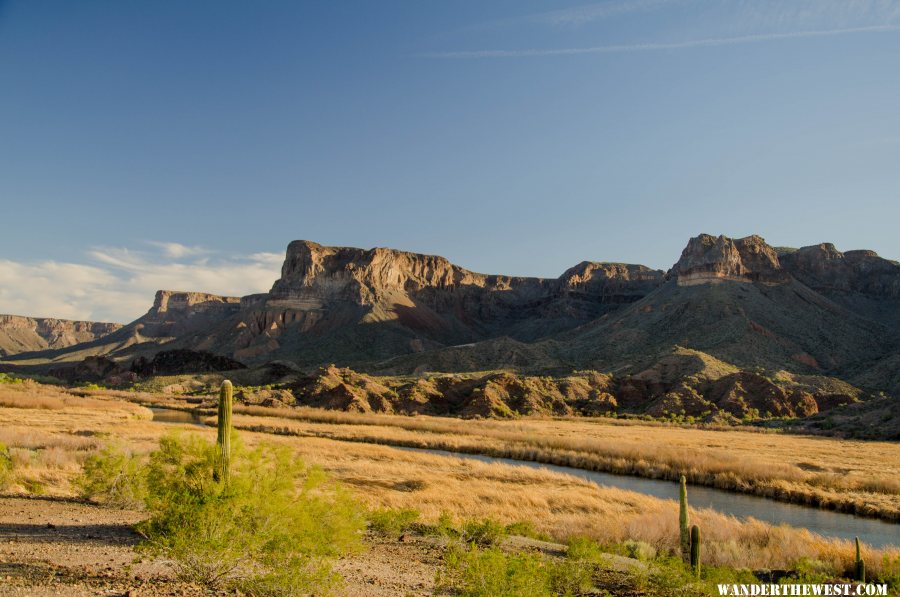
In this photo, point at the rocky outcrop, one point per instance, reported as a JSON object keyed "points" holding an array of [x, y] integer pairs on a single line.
{"points": [[91, 369], [175, 362], [24, 334], [710, 259], [422, 302], [313, 276], [176, 313], [493, 395], [825, 269]]}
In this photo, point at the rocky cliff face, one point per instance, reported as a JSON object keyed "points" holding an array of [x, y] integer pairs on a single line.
{"points": [[175, 313], [313, 274], [708, 259], [825, 269], [417, 302], [22, 334]]}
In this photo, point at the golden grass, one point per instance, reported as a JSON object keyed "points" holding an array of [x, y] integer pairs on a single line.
{"points": [[845, 475], [31, 395], [50, 432], [559, 505]]}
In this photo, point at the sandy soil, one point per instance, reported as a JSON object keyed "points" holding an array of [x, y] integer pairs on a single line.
{"points": [[55, 546]]}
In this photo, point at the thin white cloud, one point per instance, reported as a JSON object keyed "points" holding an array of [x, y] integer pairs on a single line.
{"points": [[587, 13], [650, 47], [119, 283], [684, 24], [178, 250]]}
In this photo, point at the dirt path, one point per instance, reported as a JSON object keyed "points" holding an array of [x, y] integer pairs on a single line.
{"points": [[52, 546]]}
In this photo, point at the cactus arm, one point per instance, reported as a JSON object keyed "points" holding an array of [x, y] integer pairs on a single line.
{"points": [[695, 550]]}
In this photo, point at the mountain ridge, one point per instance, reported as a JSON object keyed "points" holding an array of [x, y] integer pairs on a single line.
{"points": [[812, 310]]}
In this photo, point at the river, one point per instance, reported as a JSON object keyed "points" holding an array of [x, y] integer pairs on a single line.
{"points": [[876, 533]]}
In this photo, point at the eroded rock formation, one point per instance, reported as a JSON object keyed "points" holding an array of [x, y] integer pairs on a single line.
{"points": [[22, 334]]}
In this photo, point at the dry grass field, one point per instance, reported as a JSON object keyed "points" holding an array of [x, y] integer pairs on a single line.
{"points": [[846, 475], [51, 442]]}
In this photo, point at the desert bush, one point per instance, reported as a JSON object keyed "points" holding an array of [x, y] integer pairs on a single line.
{"points": [[570, 576], [113, 477], [525, 528], [10, 379], [34, 486], [473, 572], [639, 550], [484, 532], [584, 549], [444, 527], [6, 467], [890, 573], [391, 521], [271, 530]]}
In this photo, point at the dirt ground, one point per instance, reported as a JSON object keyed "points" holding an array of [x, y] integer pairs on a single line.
{"points": [[57, 546]]}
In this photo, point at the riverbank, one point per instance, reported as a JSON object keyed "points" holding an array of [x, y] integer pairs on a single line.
{"points": [[862, 478]]}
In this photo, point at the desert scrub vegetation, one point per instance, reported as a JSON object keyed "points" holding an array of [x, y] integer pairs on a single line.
{"points": [[272, 529], [29, 394], [37, 462], [114, 477], [6, 467], [392, 521], [585, 568]]}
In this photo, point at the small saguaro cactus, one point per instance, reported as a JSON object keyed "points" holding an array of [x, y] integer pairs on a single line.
{"points": [[684, 521], [695, 550], [860, 565], [223, 439]]}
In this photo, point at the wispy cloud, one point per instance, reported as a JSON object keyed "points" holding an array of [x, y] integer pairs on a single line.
{"points": [[178, 250], [650, 47], [587, 13], [118, 283], [698, 23]]}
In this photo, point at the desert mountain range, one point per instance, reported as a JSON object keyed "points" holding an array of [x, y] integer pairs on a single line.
{"points": [[808, 313]]}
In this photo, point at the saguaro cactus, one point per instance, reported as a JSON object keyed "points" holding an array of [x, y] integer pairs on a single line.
{"points": [[860, 565], [684, 521], [695, 550], [223, 440]]}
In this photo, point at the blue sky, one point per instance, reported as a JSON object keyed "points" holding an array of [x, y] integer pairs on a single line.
{"points": [[183, 144]]}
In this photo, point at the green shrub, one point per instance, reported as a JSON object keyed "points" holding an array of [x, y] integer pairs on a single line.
{"points": [[391, 521], [524, 528], [671, 577], [586, 550], [10, 379], [6, 467], [34, 487], [810, 571], [890, 573], [570, 577], [444, 527], [639, 550], [472, 572], [484, 533], [112, 477], [271, 530]]}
